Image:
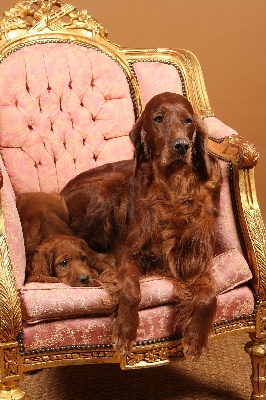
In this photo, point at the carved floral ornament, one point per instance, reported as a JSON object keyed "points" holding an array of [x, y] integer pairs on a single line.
{"points": [[36, 15]]}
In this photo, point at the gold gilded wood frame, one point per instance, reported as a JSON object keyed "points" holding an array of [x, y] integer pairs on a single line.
{"points": [[43, 21]]}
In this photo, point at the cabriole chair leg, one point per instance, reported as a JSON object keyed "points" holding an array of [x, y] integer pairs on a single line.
{"points": [[257, 351]]}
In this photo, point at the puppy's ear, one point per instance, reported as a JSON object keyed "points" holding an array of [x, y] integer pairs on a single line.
{"points": [[201, 160], [137, 137], [40, 269]]}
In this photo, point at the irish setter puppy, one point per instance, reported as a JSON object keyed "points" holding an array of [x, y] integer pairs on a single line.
{"points": [[53, 253], [157, 214], [63, 258]]}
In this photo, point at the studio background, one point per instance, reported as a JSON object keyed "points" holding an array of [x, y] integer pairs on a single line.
{"points": [[227, 36]]}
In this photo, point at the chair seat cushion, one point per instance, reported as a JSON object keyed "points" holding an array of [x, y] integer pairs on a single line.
{"points": [[156, 323], [43, 302]]}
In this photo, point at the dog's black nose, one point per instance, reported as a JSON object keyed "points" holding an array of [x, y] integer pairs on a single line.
{"points": [[181, 146], [84, 279]]}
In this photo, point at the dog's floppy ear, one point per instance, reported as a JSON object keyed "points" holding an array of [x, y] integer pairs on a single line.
{"points": [[137, 137], [201, 161], [40, 268]]}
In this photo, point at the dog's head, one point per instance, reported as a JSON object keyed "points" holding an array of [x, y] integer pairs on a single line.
{"points": [[66, 258], [170, 134]]}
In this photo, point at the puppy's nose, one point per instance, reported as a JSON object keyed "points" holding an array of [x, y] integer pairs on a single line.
{"points": [[181, 146], [84, 279]]}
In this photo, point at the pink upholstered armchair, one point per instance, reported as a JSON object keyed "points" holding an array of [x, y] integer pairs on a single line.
{"points": [[68, 99]]}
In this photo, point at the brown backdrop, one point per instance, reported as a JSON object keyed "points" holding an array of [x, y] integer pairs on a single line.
{"points": [[227, 36]]}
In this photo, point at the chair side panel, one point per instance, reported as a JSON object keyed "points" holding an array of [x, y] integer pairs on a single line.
{"points": [[13, 229]]}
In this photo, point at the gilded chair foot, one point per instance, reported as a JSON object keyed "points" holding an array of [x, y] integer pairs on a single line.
{"points": [[257, 351], [11, 394]]}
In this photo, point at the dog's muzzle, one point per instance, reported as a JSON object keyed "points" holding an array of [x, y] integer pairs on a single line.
{"points": [[180, 146], [84, 279]]}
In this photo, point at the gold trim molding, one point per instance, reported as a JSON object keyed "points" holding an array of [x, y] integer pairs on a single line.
{"points": [[234, 327], [152, 355], [57, 359], [141, 356]]}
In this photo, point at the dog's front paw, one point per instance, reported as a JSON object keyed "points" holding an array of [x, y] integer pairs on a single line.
{"points": [[124, 336], [122, 347], [194, 344]]}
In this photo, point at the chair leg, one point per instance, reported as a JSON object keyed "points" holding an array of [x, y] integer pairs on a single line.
{"points": [[257, 351], [10, 372]]}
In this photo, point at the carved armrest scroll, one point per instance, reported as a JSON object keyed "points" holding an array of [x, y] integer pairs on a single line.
{"points": [[234, 148]]}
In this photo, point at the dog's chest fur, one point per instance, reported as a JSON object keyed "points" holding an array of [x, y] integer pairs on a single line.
{"points": [[162, 219]]}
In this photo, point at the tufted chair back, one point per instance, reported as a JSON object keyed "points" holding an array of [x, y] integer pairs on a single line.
{"points": [[67, 114]]}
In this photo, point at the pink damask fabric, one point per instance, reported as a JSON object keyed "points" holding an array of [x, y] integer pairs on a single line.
{"points": [[69, 119], [156, 77], [228, 278], [155, 323]]}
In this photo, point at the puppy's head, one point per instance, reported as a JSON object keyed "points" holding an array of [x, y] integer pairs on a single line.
{"points": [[65, 258], [170, 134]]}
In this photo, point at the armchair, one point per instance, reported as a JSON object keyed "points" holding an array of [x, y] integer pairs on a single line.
{"points": [[68, 98]]}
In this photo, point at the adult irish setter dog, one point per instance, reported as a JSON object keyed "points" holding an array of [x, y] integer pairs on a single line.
{"points": [[157, 214]]}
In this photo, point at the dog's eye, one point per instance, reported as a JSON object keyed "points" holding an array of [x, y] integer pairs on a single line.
{"points": [[82, 257], [63, 263], [188, 121], [158, 119]]}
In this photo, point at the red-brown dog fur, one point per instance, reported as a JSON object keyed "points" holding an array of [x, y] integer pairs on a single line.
{"points": [[53, 253], [157, 214]]}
